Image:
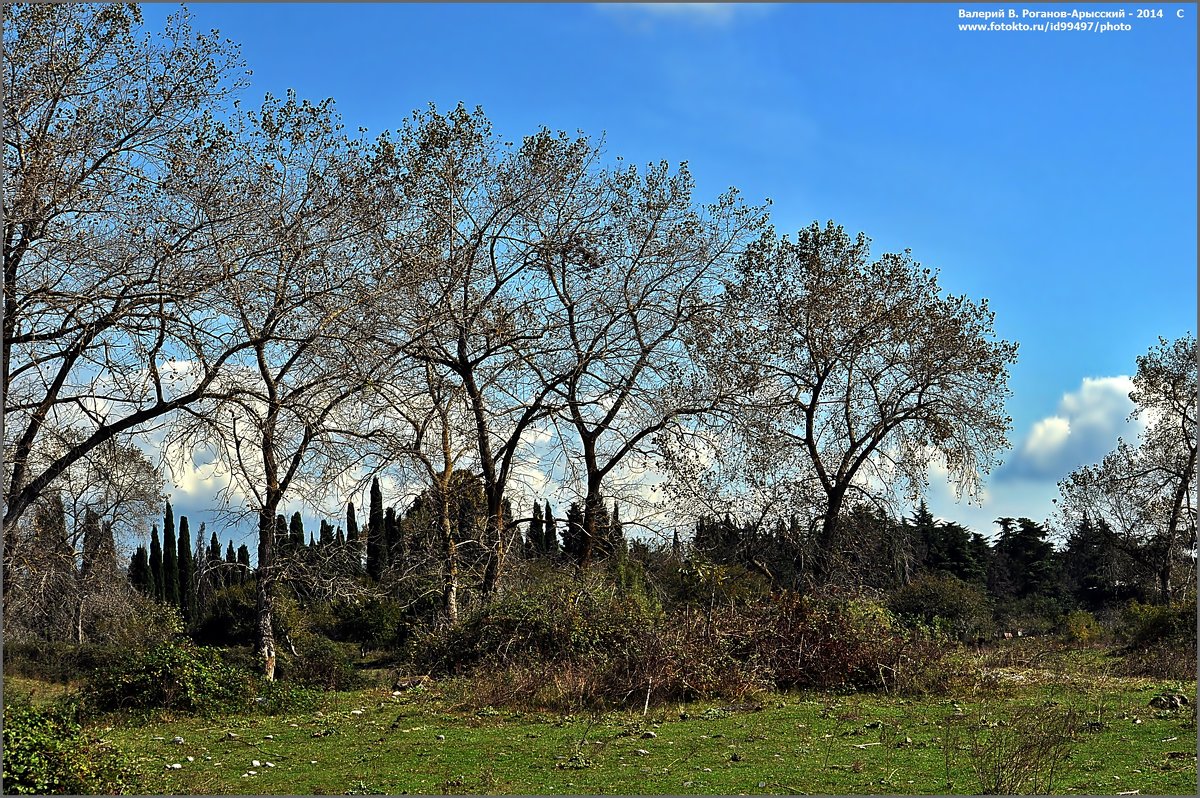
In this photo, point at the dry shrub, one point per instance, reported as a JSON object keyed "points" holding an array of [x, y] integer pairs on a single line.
{"points": [[1018, 752], [1163, 660], [571, 646], [826, 643]]}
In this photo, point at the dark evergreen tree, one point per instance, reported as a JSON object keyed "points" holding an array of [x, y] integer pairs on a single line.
{"points": [[187, 582], [602, 545], [353, 538], [394, 536], [283, 540], [550, 544], [156, 566], [212, 563], [326, 534], [243, 560], [573, 543], [139, 571], [1096, 572], [1023, 562], [170, 560], [616, 531], [91, 544], [230, 570], [535, 535], [376, 535], [296, 534], [339, 539]]}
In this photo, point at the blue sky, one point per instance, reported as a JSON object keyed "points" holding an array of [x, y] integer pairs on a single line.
{"points": [[1052, 172]]}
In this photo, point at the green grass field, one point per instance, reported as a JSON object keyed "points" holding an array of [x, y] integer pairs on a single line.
{"points": [[434, 741]]}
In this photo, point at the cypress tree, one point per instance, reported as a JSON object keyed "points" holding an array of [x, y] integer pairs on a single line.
{"points": [[535, 536], [170, 560], [550, 545], [187, 584], [91, 543], [139, 571], [376, 540], [354, 541], [156, 566], [616, 531], [229, 572], [326, 533], [296, 533], [603, 541], [213, 571], [391, 533], [573, 536], [283, 542], [243, 561], [339, 539]]}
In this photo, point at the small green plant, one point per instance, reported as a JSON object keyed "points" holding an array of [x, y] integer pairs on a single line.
{"points": [[47, 751]]}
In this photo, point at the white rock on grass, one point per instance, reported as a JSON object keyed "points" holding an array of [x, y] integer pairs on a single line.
{"points": [[255, 763], [312, 761], [177, 740], [191, 759], [174, 766], [269, 764], [356, 712], [268, 736]]}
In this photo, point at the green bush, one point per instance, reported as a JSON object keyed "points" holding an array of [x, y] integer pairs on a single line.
{"points": [[324, 664], [47, 751], [559, 620], [285, 698], [836, 643], [374, 624], [57, 661], [230, 618], [178, 676], [1034, 615], [1146, 624], [945, 602], [1161, 640], [1081, 626]]}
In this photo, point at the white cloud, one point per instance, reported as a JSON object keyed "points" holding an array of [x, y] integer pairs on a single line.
{"points": [[1084, 428]]}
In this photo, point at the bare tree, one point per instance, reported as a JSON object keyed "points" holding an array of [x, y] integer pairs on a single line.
{"points": [[299, 291], [1146, 493], [634, 286], [434, 431], [857, 375], [102, 279], [478, 314]]}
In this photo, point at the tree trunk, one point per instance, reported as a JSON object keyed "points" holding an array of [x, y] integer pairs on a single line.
{"points": [[827, 539], [591, 509], [1164, 577], [266, 579], [495, 537], [450, 549]]}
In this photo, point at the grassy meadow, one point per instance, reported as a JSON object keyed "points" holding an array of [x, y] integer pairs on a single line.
{"points": [[1023, 724]]}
